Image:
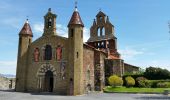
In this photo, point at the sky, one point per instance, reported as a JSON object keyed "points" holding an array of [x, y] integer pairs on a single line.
{"points": [[141, 27]]}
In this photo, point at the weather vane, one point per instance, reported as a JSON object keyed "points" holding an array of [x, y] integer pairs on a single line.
{"points": [[27, 17], [76, 4]]}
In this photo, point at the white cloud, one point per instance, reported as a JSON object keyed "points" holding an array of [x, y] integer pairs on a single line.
{"points": [[38, 28], [61, 30], [86, 34], [13, 22], [129, 53]]}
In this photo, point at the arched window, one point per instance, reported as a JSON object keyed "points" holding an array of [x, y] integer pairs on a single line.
{"points": [[36, 54], [49, 22], [71, 32], [102, 45], [48, 52], [88, 75], [98, 32], [101, 18], [98, 45], [103, 31], [59, 53]]}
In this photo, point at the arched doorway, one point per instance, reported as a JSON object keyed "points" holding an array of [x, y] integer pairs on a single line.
{"points": [[48, 82]]}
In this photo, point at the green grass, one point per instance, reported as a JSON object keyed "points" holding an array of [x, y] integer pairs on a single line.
{"points": [[110, 89]]}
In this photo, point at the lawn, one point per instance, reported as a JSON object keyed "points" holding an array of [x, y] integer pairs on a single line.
{"points": [[110, 89]]}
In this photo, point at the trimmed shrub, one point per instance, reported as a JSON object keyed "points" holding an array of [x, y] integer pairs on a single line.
{"points": [[130, 82], [114, 81], [163, 85]]}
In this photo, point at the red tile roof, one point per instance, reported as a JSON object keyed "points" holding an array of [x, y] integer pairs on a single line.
{"points": [[26, 29], [76, 19]]}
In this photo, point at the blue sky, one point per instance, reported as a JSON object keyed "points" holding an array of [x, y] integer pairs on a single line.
{"points": [[141, 27]]}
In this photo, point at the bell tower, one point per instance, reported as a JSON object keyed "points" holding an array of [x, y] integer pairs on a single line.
{"points": [[75, 39], [50, 23], [102, 35], [25, 39]]}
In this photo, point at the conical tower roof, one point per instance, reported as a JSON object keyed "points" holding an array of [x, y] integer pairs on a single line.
{"points": [[26, 29], [76, 19]]}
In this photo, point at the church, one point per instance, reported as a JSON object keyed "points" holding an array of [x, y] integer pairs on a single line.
{"points": [[68, 66]]}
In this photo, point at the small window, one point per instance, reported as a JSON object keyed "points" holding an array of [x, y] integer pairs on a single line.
{"points": [[88, 74], [81, 33], [29, 41], [20, 41], [77, 54], [72, 32]]}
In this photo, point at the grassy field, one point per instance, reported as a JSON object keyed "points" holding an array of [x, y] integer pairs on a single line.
{"points": [[110, 89]]}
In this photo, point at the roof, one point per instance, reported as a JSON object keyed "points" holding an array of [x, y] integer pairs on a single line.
{"points": [[100, 14], [26, 29], [76, 19], [112, 57]]}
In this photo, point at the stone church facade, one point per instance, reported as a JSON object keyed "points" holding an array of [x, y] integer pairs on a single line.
{"points": [[67, 65]]}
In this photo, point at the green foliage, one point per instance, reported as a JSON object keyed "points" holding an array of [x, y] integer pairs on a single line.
{"points": [[114, 81], [153, 83], [139, 82], [145, 84], [130, 82], [163, 85], [154, 73]]}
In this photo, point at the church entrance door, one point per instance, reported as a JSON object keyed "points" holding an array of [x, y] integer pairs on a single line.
{"points": [[49, 81]]}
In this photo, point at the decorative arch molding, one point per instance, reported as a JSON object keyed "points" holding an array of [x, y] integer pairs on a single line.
{"points": [[46, 67]]}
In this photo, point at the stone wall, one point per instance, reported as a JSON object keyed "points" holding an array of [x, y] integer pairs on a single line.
{"points": [[7, 83], [88, 68], [130, 69]]}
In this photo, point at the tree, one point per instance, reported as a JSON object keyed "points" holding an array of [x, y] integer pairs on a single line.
{"points": [[114, 81], [155, 73]]}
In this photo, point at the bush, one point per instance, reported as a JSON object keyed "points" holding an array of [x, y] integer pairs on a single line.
{"points": [[163, 85], [114, 81], [130, 82], [153, 83], [139, 82], [145, 84]]}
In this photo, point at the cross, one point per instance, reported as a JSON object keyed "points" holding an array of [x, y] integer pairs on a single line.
{"points": [[27, 17], [75, 4]]}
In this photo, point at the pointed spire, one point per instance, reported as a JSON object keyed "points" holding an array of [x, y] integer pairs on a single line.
{"points": [[26, 29], [76, 19], [107, 20], [94, 22]]}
